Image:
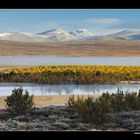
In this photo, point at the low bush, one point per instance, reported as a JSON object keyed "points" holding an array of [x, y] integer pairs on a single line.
{"points": [[92, 110], [87, 109], [19, 103]]}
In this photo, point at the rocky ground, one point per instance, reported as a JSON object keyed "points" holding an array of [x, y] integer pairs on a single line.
{"points": [[55, 118]]}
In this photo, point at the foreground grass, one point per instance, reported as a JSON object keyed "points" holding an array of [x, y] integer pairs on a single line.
{"points": [[79, 74]]}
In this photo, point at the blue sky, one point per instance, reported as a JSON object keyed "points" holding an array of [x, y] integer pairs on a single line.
{"points": [[99, 21]]}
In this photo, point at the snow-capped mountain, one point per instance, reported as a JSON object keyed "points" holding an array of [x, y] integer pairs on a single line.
{"points": [[47, 36], [57, 35], [81, 33], [127, 34], [19, 36], [62, 35], [13, 36]]}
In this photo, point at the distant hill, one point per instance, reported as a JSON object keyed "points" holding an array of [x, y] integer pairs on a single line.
{"points": [[60, 35]]}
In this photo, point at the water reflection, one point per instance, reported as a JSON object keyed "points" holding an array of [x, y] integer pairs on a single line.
{"points": [[43, 89]]}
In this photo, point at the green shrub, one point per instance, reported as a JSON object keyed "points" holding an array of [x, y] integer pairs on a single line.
{"points": [[96, 111], [19, 103], [71, 101], [85, 110], [75, 105], [132, 101], [117, 101], [105, 102], [89, 110]]}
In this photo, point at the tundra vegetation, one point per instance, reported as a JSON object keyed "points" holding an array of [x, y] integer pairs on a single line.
{"points": [[116, 111], [97, 110], [79, 74]]}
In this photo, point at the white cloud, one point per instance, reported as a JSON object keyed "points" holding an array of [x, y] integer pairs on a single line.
{"points": [[103, 20], [70, 25]]}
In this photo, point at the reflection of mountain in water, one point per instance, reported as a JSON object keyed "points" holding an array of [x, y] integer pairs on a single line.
{"points": [[42, 89]]}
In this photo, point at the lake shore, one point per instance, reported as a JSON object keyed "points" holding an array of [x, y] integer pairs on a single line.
{"points": [[52, 114], [43, 101]]}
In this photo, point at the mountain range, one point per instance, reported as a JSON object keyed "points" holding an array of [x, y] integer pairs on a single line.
{"points": [[58, 34]]}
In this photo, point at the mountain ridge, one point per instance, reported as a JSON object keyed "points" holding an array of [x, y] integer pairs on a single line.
{"points": [[58, 34]]}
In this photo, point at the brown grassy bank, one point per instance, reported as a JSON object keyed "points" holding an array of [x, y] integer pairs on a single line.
{"points": [[111, 47], [42, 101]]}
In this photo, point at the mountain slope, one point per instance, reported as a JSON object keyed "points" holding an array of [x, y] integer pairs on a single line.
{"points": [[57, 34], [127, 34], [61, 35], [47, 36], [81, 33], [14, 36]]}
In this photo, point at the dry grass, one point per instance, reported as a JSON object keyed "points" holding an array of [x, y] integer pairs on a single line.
{"points": [[41, 101], [112, 47]]}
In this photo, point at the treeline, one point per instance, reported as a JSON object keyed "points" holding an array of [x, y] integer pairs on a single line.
{"points": [[80, 74]]}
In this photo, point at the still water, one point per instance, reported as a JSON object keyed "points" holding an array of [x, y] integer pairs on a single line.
{"points": [[67, 89], [60, 60]]}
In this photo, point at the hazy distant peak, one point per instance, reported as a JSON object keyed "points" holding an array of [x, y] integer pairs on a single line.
{"points": [[58, 34], [124, 32]]}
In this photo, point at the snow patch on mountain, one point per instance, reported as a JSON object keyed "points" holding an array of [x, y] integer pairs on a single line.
{"points": [[127, 34], [58, 34]]}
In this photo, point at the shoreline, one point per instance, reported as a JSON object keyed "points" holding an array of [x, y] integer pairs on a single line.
{"points": [[45, 100]]}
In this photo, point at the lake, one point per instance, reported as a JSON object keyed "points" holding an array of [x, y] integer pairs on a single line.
{"points": [[60, 60], [67, 89]]}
